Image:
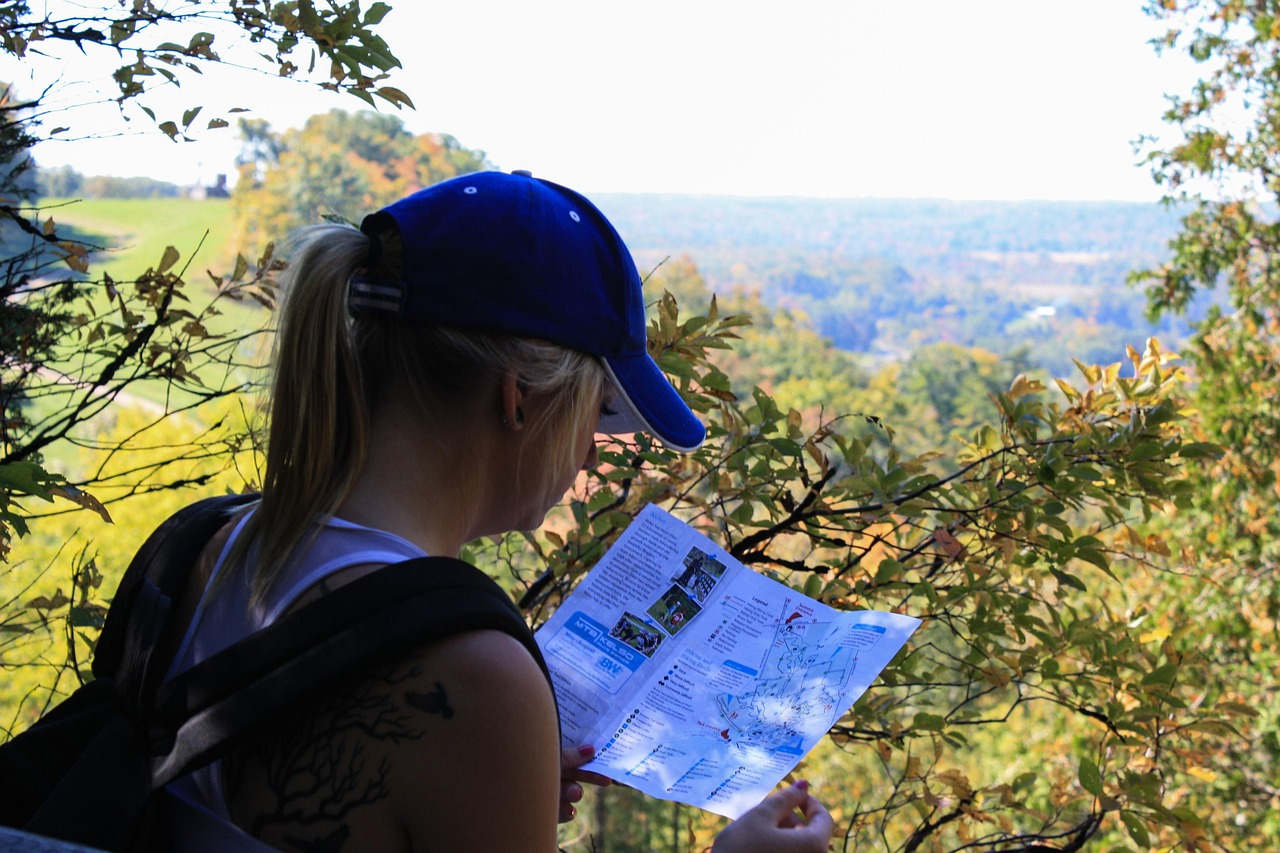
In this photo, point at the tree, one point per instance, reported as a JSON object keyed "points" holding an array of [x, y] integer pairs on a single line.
{"points": [[79, 347], [1012, 559], [1059, 693], [59, 182], [939, 391], [1221, 162], [72, 345], [146, 39], [338, 164]]}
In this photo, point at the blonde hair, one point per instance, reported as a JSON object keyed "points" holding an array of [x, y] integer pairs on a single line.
{"points": [[331, 369]]}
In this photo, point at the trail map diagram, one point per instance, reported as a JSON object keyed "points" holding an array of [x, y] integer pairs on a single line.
{"points": [[697, 679], [801, 681]]}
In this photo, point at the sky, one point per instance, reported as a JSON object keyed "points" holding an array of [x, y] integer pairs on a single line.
{"points": [[961, 99]]}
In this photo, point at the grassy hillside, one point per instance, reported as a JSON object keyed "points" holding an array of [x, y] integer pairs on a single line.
{"points": [[134, 234], [137, 230]]}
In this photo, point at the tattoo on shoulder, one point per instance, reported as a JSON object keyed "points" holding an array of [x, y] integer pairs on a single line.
{"points": [[298, 787], [435, 702]]}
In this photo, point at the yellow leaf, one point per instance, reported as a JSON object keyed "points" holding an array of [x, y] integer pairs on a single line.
{"points": [[1204, 774], [1022, 386], [82, 498], [1158, 635]]}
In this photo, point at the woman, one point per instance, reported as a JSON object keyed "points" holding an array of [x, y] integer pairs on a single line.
{"points": [[440, 375]]}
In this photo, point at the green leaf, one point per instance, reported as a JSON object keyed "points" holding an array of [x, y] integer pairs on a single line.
{"points": [[1146, 450], [1137, 831], [169, 258], [1065, 579], [1090, 778], [1097, 558], [887, 571], [1162, 675], [1200, 450], [375, 13], [83, 617], [28, 478], [928, 722]]}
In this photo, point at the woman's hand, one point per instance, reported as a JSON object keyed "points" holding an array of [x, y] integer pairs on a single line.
{"points": [[775, 827], [571, 778]]}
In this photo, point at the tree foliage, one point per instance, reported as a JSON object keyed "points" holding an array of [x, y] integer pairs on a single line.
{"points": [[339, 164], [74, 343], [1221, 160], [333, 44], [1018, 561]]}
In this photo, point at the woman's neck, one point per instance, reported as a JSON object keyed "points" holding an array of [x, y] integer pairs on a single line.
{"points": [[424, 484]]}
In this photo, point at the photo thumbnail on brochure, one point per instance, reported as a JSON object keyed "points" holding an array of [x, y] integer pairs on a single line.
{"points": [[697, 679]]}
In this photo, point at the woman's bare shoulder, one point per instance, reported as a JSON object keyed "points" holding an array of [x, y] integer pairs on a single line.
{"points": [[402, 756]]}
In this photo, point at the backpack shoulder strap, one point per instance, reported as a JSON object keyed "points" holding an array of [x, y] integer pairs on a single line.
{"points": [[252, 685], [142, 607]]}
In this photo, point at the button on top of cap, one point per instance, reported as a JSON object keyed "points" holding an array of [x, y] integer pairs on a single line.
{"points": [[525, 172]]}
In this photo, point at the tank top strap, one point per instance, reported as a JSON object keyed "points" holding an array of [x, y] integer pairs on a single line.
{"points": [[337, 545], [228, 613]]}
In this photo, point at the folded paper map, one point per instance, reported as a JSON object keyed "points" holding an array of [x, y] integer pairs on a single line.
{"points": [[697, 679]]}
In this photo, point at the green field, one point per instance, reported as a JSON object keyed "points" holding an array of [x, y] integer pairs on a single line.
{"points": [[134, 235], [137, 230]]}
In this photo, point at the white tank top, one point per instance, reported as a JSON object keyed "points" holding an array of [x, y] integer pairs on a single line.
{"points": [[201, 821]]}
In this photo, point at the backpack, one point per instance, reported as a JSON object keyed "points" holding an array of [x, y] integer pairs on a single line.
{"points": [[91, 770]]}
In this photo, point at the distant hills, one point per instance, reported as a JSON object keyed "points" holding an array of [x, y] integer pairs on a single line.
{"points": [[927, 236], [885, 276]]}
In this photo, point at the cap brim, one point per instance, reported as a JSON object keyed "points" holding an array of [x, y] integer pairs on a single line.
{"points": [[648, 403]]}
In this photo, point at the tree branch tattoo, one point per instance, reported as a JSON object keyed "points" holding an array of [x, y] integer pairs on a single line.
{"points": [[319, 767]]}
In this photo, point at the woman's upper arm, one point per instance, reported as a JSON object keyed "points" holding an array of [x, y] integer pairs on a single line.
{"points": [[486, 775], [452, 748]]}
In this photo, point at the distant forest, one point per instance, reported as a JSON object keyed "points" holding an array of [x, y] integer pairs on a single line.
{"points": [[1045, 280]]}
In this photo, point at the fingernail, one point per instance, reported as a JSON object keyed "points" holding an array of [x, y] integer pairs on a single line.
{"points": [[803, 784], [586, 750]]}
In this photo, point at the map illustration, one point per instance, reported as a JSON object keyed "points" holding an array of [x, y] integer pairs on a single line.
{"points": [[802, 679]]}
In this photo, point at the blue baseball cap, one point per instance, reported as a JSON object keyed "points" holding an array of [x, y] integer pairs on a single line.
{"points": [[514, 254]]}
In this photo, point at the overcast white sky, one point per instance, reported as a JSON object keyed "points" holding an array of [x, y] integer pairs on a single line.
{"points": [[965, 99]]}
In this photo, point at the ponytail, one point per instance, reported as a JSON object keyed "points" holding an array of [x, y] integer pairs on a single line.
{"points": [[319, 407]]}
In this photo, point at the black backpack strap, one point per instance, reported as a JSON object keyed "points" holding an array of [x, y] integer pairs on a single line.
{"points": [[253, 685], [140, 611]]}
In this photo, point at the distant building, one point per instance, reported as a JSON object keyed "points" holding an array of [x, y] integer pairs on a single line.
{"points": [[217, 190]]}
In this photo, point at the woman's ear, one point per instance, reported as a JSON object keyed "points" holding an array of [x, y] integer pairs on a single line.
{"points": [[512, 400]]}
